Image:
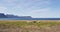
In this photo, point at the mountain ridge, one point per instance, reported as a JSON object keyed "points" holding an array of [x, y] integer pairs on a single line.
{"points": [[15, 17], [2, 15]]}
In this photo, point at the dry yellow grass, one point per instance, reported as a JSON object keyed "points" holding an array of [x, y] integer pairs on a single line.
{"points": [[29, 25]]}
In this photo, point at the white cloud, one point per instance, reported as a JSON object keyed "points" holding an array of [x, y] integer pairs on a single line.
{"points": [[25, 3], [3, 9], [33, 8], [40, 10]]}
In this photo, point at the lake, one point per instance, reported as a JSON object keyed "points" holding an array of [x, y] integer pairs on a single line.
{"points": [[29, 18]]}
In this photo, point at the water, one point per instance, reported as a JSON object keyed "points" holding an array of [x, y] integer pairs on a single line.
{"points": [[29, 18]]}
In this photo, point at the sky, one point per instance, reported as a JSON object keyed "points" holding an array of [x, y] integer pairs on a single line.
{"points": [[34, 8]]}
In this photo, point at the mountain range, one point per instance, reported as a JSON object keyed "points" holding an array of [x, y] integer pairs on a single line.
{"points": [[14, 17], [2, 15]]}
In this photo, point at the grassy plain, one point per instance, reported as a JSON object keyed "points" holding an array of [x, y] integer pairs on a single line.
{"points": [[28, 25]]}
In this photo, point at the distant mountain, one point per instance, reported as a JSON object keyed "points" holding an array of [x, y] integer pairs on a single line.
{"points": [[2, 15], [14, 16]]}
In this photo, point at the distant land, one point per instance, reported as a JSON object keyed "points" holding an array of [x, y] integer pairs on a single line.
{"points": [[2, 15], [14, 17]]}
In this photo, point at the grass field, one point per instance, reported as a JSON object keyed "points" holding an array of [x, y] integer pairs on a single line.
{"points": [[29, 25]]}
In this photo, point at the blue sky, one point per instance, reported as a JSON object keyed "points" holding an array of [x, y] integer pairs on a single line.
{"points": [[34, 8]]}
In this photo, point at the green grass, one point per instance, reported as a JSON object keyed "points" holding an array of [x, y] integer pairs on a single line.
{"points": [[15, 24]]}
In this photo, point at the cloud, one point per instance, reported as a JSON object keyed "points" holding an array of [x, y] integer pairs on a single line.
{"points": [[33, 8], [3, 9], [38, 11], [25, 3]]}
